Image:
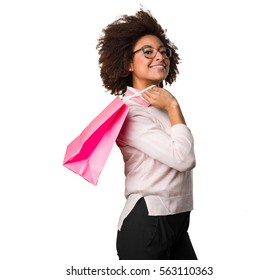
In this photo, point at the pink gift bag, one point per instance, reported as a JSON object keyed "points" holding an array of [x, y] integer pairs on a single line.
{"points": [[87, 154]]}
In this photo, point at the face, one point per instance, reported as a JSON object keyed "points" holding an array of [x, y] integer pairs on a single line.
{"points": [[149, 71]]}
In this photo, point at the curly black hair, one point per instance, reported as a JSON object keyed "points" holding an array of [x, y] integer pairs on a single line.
{"points": [[115, 48]]}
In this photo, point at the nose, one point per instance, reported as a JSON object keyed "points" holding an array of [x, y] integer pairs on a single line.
{"points": [[159, 56]]}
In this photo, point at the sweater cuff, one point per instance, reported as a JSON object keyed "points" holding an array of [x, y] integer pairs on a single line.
{"points": [[180, 129]]}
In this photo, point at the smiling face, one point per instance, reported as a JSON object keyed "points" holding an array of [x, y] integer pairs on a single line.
{"points": [[149, 71]]}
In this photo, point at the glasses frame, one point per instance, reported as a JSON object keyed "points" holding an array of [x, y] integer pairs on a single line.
{"points": [[169, 50]]}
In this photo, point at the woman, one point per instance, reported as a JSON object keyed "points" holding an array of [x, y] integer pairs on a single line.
{"points": [[156, 144]]}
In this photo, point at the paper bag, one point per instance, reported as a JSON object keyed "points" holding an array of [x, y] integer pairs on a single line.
{"points": [[87, 154]]}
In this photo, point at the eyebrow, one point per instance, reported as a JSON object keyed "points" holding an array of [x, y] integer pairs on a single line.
{"points": [[149, 46]]}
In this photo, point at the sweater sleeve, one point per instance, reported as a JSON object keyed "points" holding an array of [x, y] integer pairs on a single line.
{"points": [[175, 150]]}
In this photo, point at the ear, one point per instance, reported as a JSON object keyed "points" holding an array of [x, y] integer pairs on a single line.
{"points": [[131, 67]]}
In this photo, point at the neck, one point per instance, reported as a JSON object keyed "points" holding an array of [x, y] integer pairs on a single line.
{"points": [[140, 86]]}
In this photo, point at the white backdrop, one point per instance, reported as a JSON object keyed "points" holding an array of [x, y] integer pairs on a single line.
{"points": [[52, 219]]}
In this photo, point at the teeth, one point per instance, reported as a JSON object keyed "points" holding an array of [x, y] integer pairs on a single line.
{"points": [[157, 66]]}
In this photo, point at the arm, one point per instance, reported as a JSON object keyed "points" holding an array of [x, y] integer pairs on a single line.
{"points": [[174, 148]]}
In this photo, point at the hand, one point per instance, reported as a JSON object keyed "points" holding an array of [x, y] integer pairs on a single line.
{"points": [[160, 98], [163, 99]]}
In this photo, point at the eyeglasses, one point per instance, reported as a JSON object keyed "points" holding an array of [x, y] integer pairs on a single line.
{"points": [[150, 52]]}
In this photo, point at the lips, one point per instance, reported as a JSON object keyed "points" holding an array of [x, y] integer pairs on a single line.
{"points": [[161, 66]]}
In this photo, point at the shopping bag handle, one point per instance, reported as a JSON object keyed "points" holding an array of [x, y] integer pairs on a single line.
{"points": [[139, 93]]}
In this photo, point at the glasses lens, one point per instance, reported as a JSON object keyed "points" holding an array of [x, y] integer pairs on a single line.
{"points": [[168, 52], [150, 52]]}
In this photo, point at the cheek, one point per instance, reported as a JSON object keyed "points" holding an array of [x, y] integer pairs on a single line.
{"points": [[168, 69], [135, 64], [140, 66]]}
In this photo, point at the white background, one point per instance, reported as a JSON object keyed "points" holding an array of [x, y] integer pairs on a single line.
{"points": [[52, 219]]}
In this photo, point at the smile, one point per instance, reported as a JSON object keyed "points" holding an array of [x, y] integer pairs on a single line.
{"points": [[158, 66]]}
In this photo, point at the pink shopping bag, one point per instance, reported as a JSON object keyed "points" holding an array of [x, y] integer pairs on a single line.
{"points": [[87, 154]]}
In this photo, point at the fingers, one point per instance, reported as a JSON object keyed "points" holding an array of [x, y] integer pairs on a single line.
{"points": [[146, 95], [158, 97], [153, 92], [151, 96]]}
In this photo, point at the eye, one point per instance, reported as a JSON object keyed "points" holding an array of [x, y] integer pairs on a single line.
{"points": [[166, 52], [148, 51]]}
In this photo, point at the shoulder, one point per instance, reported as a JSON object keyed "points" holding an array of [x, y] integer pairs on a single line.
{"points": [[137, 109]]}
